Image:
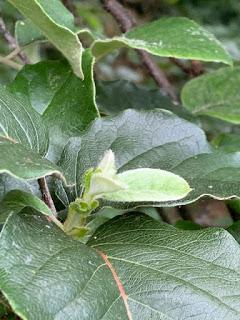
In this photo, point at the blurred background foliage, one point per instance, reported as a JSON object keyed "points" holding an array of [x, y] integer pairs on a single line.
{"points": [[221, 17]]}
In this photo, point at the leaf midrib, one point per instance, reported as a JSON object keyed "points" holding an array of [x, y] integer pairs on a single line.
{"points": [[164, 247], [187, 283]]}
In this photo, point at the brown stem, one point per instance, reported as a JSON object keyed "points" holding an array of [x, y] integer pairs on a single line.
{"points": [[185, 68], [11, 40], [195, 70], [120, 14], [46, 196], [157, 74], [126, 22]]}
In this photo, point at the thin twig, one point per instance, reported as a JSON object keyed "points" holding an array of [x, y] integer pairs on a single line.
{"points": [[46, 196], [185, 68], [157, 74], [11, 41], [126, 22], [195, 70], [7, 35], [10, 63]]}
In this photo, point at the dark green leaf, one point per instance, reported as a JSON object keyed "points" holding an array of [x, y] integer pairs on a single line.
{"points": [[155, 139], [23, 163], [68, 103], [110, 98], [73, 106], [216, 174], [21, 123], [16, 200], [139, 139], [8, 183], [46, 77], [234, 205], [187, 225], [50, 259], [133, 268]]}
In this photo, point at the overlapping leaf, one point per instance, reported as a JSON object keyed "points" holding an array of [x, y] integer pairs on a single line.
{"points": [[57, 24], [68, 103], [155, 139], [133, 268], [22, 163], [16, 200], [215, 174], [139, 139], [9, 183], [169, 37], [23, 140]]}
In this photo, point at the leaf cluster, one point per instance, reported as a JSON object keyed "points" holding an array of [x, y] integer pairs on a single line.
{"points": [[112, 153]]}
